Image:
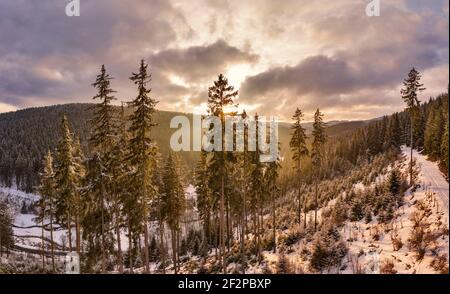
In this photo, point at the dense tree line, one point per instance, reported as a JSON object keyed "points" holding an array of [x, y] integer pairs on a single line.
{"points": [[26, 136], [429, 134]]}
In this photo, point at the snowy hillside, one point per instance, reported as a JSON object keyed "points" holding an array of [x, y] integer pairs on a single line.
{"points": [[15, 198], [28, 232], [375, 247], [431, 176]]}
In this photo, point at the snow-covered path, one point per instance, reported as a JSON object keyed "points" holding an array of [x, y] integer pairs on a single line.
{"points": [[431, 176]]}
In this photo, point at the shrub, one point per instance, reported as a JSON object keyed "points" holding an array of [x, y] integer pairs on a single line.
{"points": [[419, 238], [440, 264], [397, 243], [387, 267], [283, 265], [327, 250], [417, 241], [356, 213]]}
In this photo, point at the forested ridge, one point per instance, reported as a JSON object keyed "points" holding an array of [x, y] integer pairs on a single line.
{"points": [[26, 136]]}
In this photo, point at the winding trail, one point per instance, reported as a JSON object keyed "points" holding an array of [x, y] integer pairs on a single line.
{"points": [[431, 176]]}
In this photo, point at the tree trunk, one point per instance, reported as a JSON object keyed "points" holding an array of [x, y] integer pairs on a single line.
{"points": [[130, 247], [146, 258], [244, 231], [174, 251], [242, 239], [274, 223], [305, 220], [51, 239], [411, 159], [261, 233], [103, 234], [227, 210], [207, 236], [69, 230], [216, 237], [299, 205], [77, 233], [43, 245], [299, 194], [178, 247], [221, 227], [162, 250], [119, 249], [315, 208]]}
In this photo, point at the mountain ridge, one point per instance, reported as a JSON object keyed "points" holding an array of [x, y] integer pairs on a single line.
{"points": [[27, 134]]}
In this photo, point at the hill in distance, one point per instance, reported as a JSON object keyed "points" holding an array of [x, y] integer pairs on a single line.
{"points": [[26, 135]]}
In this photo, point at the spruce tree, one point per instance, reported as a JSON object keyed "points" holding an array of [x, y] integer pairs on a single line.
{"points": [[299, 150], [204, 200], [103, 139], [158, 212], [173, 203], [141, 155], [96, 217], [66, 180], [394, 183], [104, 122], [256, 193], [220, 97], [434, 131], [444, 149], [409, 92], [317, 154], [240, 179], [392, 139], [6, 231], [118, 170], [270, 183], [47, 191], [79, 168]]}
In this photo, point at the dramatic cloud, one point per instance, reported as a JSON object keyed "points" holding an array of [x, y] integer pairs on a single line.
{"points": [[199, 62], [279, 54], [365, 61]]}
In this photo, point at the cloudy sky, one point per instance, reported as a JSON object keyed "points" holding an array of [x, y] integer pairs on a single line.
{"points": [[279, 54]]}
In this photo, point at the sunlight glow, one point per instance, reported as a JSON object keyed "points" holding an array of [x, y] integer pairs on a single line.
{"points": [[176, 80], [236, 74], [6, 107]]}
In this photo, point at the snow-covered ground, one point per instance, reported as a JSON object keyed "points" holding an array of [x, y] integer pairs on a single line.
{"points": [[368, 254], [28, 232], [371, 244], [15, 198]]}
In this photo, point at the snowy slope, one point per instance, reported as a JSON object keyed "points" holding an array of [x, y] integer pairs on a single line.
{"points": [[369, 254], [15, 198], [371, 244], [28, 232]]}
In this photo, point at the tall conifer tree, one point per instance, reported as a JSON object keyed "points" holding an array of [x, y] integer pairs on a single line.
{"points": [[299, 150], [317, 154], [409, 92], [47, 190], [66, 180], [173, 203], [220, 96], [142, 151], [102, 140]]}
